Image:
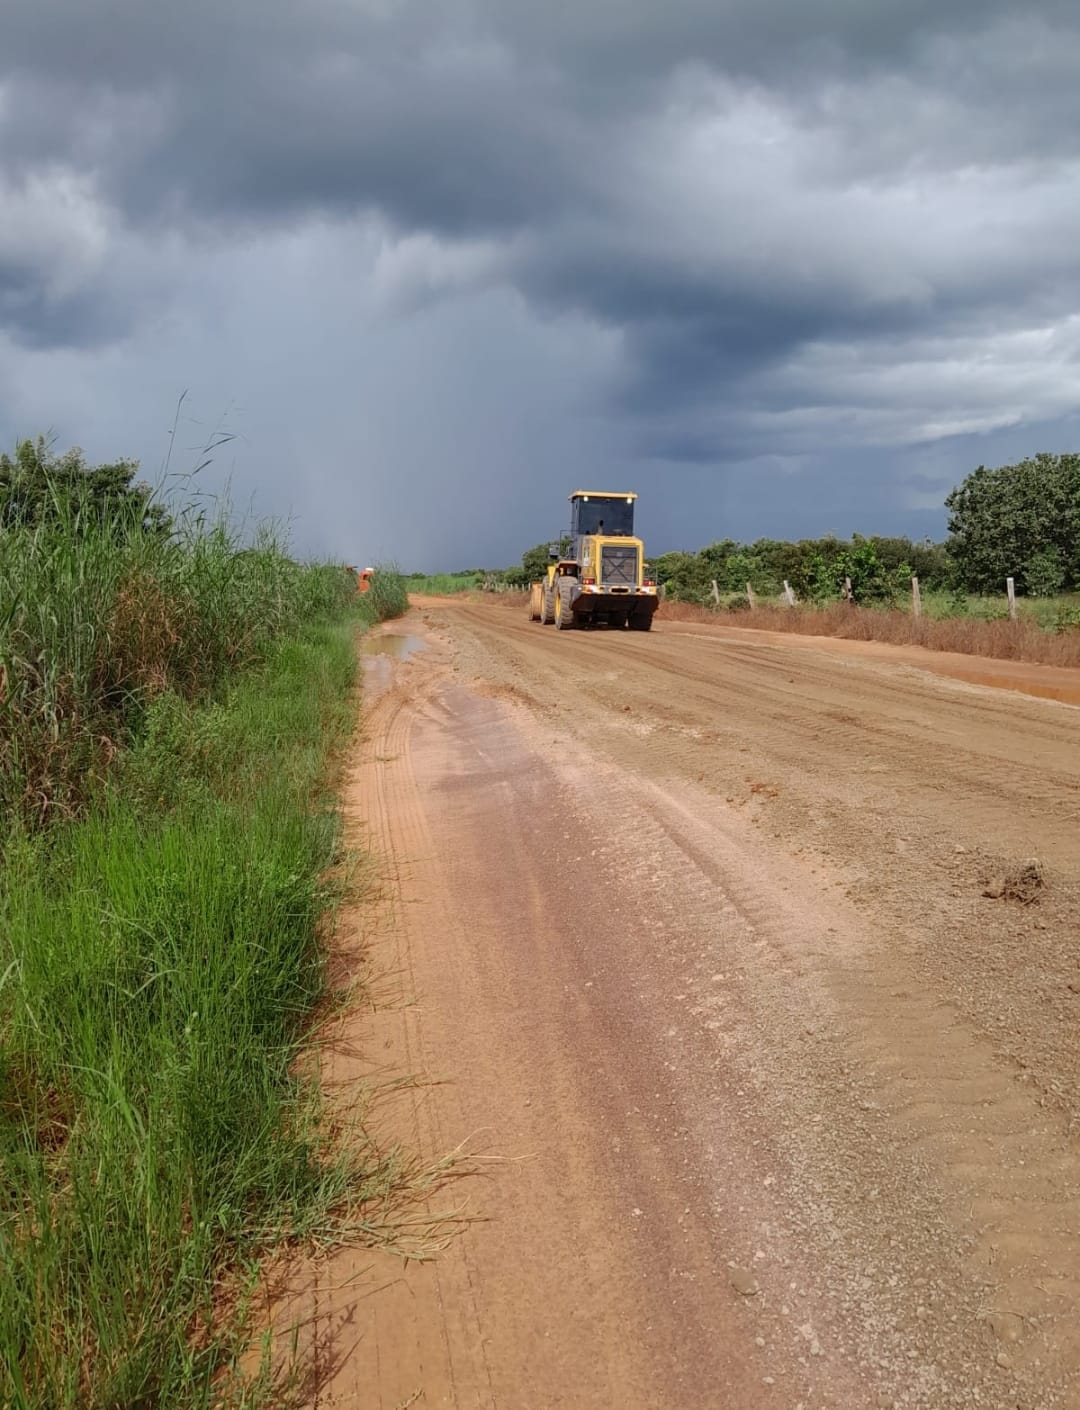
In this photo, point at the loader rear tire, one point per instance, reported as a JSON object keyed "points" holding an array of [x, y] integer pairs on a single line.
{"points": [[640, 621]]}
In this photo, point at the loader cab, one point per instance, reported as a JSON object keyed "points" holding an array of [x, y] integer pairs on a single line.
{"points": [[601, 513]]}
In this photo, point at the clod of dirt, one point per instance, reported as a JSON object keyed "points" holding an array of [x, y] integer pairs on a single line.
{"points": [[744, 1283], [1007, 1326], [1022, 884]]}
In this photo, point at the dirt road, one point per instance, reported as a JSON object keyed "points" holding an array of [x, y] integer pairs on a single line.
{"points": [[725, 947]]}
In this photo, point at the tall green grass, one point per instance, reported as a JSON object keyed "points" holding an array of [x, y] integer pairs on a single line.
{"points": [[160, 959], [387, 596], [98, 618], [170, 710]]}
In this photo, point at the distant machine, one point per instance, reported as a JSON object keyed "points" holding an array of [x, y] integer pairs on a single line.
{"points": [[601, 581]]}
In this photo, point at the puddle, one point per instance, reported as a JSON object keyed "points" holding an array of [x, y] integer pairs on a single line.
{"points": [[1029, 685], [389, 644]]}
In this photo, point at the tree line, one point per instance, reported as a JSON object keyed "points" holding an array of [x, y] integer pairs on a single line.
{"points": [[878, 569], [1020, 521]]}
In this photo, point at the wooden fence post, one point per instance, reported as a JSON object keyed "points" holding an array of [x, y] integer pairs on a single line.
{"points": [[715, 593], [849, 595], [789, 594], [916, 598], [750, 597], [1010, 588]]}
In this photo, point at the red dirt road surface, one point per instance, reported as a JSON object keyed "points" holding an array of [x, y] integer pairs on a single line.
{"points": [[730, 951]]}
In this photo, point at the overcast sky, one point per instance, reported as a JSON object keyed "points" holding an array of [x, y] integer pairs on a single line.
{"points": [[782, 266]]}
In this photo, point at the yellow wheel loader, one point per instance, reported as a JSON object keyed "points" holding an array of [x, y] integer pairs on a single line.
{"points": [[601, 580]]}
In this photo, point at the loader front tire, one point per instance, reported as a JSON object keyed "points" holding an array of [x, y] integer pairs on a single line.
{"points": [[547, 607], [564, 611]]}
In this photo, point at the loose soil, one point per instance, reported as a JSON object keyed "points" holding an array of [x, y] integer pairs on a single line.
{"points": [[750, 967]]}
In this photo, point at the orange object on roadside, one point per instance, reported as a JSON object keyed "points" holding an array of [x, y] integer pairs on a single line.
{"points": [[363, 580]]}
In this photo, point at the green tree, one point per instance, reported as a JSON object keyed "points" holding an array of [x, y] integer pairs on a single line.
{"points": [[1020, 521], [928, 561], [1045, 573], [38, 486], [684, 576], [879, 569], [534, 561]]}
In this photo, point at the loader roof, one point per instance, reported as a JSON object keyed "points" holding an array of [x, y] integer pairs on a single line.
{"points": [[603, 494]]}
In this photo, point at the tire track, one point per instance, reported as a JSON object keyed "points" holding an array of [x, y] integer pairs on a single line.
{"points": [[395, 1337], [954, 1146]]}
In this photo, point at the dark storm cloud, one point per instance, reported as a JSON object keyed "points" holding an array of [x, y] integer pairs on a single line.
{"points": [[477, 116], [460, 118], [80, 319], [269, 110], [802, 224], [487, 120]]}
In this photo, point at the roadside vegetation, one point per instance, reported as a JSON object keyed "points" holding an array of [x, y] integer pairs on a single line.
{"points": [[532, 566], [444, 584], [172, 700], [817, 570], [1019, 521], [449, 584], [996, 637]]}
